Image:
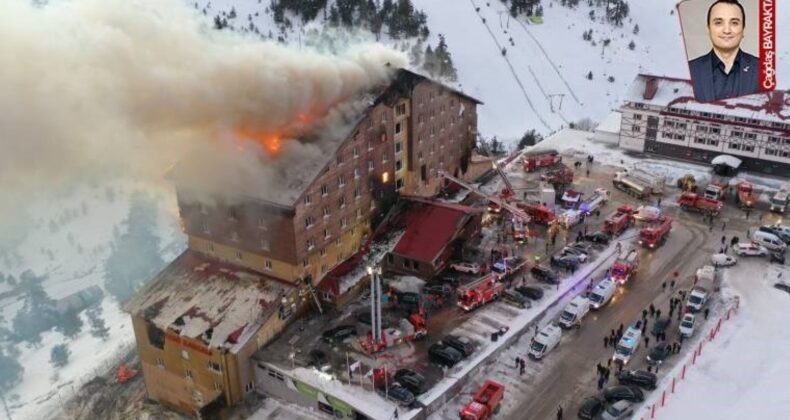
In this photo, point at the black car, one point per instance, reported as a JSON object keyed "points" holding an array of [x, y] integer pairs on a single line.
{"points": [[782, 286], [449, 280], [544, 274], [319, 359], [660, 325], [644, 379], [623, 392], [516, 299], [444, 355], [339, 333], [532, 292], [411, 380], [581, 246], [568, 261], [598, 238], [591, 408], [658, 354], [438, 289], [400, 394], [463, 344]]}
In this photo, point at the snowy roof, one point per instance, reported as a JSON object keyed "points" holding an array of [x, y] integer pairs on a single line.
{"points": [[202, 298], [610, 124], [731, 161], [678, 93]]}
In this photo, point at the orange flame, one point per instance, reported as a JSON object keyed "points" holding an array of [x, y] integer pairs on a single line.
{"points": [[271, 142]]}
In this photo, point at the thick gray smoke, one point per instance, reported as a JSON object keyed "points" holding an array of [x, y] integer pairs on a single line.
{"points": [[91, 86]]}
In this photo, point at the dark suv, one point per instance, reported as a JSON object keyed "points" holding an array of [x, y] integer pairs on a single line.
{"points": [[339, 333], [640, 378], [463, 344], [444, 355], [544, 274], [532, 292], [568, 261], [411, 380]]}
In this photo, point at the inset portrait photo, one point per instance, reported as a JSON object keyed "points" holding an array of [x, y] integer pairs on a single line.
{"points": [[730, 50]]}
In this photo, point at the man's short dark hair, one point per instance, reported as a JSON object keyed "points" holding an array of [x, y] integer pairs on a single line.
{"points": [[733, 2]]}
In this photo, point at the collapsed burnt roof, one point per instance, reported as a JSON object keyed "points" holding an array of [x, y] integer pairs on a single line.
{"points": [[201, 298]]}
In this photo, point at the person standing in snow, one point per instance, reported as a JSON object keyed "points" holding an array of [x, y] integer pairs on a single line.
{"points": [[559, 412]]}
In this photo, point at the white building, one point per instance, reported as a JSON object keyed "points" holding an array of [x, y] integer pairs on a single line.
{"points": [[608, 131], [660, 116]]}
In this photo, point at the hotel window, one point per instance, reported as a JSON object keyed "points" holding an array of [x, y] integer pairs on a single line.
{"points": [[738, 134], [184, 354], [322, 252], [356, 152], [204, 227], [327, 235], [398, 147], [638, 117], [747, 148], [310, 244], [324, 190], [268, 264], [433, 131], [773, 140], [785, 154], [307, 200], [210, 247], [325, 211], [420, 119], [715, 130], [265, 244], [399, 184], [699, 140], [398, 128], [202, 208], [233, 214], [343, 222], [341, 181], [308, 222], [305, 262], [341, 202], [217, 387], [160, 363], [419, 156], [702, 129], [750, 136], [339, 159], [188, 374], [323, 268], [214, 366], [234, 236], [384, 157], [400, 110], [714, 143], [359, 213], [398, 165], [357, 173], [239, 255], [383, 116], [636, 129], [370, 144], [735, 146], [357, 192]]}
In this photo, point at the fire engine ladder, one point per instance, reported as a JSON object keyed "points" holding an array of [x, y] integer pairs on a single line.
{"points": [[502, 175], [317, 301], [515, 211]]}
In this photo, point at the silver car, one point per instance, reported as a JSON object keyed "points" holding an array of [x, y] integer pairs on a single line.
{"points": [[620, 410]]}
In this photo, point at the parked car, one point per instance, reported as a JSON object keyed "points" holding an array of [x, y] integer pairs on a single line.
{"points": [[462, 343], [777, 257], [618, 411], [565, 261], [660, 325], [687, 325], [466, 267], [444, 355], [532, 292], [400, 394], [598, 238], [438, 289], [575, 252], [516, 299], [639, 378], [785, 237], [411, 380], [723, 260], [586, 248], [749, 249], [623, 392], [591, 408], [782, 286], [544, 274], [658, 354], [319, 359], [339, 333], [449, 280]]}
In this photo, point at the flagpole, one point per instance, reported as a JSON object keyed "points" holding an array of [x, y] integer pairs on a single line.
{"points": [[348, 369]]}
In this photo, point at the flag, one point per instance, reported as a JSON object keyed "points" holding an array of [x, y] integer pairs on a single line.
{"points": [[354, 366]]}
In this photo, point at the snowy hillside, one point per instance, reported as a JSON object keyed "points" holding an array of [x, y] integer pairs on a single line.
{"points": [[541, 81]]}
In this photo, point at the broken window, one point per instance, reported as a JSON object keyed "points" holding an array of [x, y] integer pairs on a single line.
{"points": [[155, 336]]}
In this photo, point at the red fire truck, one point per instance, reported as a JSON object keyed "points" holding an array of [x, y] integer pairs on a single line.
{"points": [[746, 197], [543, 159], [692, 201], [539, 214], [655, 233], [624, 266], [485, 402], [619, 221], [559, 175], [480, 291]]}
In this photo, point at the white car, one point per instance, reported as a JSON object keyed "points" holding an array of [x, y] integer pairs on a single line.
{"points": [[722, 260], [687, 325], [750, 249], [466, 267]]}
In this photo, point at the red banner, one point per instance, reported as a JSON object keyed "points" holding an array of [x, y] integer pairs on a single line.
{"points": [[767, 45]]}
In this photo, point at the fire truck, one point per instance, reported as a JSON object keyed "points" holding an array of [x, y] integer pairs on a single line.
{"points": [[694, 202], [485, 402], [520, 230], [655, 233], [745, 197], [542, 159], [539, 214], [619, 221], [716, 190], [480, 291], [625, 266], [559, 175]]}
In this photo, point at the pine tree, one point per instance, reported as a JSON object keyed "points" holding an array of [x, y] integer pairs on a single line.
{"points": [[98, 328], [631, 45]]}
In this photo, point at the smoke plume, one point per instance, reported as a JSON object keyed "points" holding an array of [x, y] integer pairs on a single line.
{"points": [[90, 87]]}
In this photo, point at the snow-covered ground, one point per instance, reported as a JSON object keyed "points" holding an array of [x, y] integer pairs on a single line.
{"points": [[69, 243], [742, 373]]}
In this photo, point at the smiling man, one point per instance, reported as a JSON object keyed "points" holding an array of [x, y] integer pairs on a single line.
{"points": [[726, 71]]}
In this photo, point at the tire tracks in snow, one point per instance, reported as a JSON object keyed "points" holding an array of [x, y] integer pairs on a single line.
{"points": [[512, 69]]}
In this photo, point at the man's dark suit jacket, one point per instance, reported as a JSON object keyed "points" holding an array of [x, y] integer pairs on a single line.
{"points": [[711, 83]]}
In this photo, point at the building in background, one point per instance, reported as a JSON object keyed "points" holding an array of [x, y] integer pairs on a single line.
{"points": [[660, 116]]}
